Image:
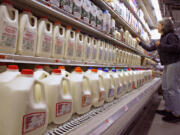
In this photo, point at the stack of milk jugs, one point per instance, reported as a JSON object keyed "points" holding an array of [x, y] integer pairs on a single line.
{"points": [[31, 99], [28, 36]]}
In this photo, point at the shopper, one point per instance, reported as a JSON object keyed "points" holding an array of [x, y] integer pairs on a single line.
{"points": [[168, 48]]}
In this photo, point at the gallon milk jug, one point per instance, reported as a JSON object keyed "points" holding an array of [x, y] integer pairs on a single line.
{"points": [[94, 49], [131, 74], [9, 28], [108, 85], [135, 83], [70, 43], [117, 84], [27, 34], [123, 83], [127, 79], [58, 41], [24, 114], [87, 48], [44, 42], [86, 9], [59, 99], [106, 21], [110, 53], [100, 52], [39, 73], [8, 75], [82, 99], [63, 71], [79, 46], [3, 67], [106, 54], [113, 55], [97, 89], [77, 8]]}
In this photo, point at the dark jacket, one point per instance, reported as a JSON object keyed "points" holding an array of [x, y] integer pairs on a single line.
{"points": [[169, 48]]}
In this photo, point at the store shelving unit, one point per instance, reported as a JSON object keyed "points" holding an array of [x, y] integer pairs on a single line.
{"points": [[40, 8], [10, 58], [135, 15], [112, 118]]}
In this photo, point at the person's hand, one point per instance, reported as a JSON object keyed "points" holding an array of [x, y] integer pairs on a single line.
{"points": [[138, 40], [157, 43]]}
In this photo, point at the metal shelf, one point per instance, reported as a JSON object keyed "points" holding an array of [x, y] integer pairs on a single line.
{"points": [[39, 8], [111, 118], [135, 15], [119, 20], [11, 58]]}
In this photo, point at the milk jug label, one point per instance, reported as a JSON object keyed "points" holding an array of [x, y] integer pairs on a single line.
{"points": [[79, 50], [63, 108], [59, 45], [101, 96], [70, 48], [9, 35], [33, 121], [29, 40], [47, 42], [76, 11], [88, 52], [86, 100], [111, 93]]}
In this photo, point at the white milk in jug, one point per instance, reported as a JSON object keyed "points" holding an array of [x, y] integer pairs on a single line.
{"points": [[86, 9], [77, 8], [59, 36], [3, 67], [94, 49], [108, 85], [59, 99], [9, 28], [27, 34], [70, 43], [39, 73], [79, 46], [97, 89], [44, 42], [87, 48], [8, 75], [25, 114], [82, 99], [63, 71]]}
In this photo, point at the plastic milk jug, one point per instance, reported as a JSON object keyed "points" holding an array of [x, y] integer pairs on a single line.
{"points": [[87, 48], [3, 67], [27, 34], [8, 75], [109, 53], [44, 42], [94, 49], [59, 99], [97, 89], [26, 115], [113, 55], [101, 51], [86, 9], [123, 83], [9, 28], [70, 43], [63, 71], [77, 8], [106, 21], [79, 46], [108, 85], [39, 73], [106, 54], [117, 84], [82, 98], [59, 36]]}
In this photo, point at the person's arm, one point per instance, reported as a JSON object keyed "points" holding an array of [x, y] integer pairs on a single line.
{"points": [[172, 45], [149, 48]]}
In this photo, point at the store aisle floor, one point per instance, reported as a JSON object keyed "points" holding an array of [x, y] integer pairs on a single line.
{"points": [[150, 123]]}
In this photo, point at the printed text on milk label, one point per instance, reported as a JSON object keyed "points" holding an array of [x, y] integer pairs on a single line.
{"points": [[47, 42], [33, 121], [86, 100], [29, 40], [59, 46], [9, 35], [63, 108]]}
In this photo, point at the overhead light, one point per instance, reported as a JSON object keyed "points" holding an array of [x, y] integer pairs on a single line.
{"points": [[158, 14]]}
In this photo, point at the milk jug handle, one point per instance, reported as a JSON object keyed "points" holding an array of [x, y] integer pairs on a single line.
{"points": [[15, 13], [43, 99], [68, 81], [85, 77]]}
